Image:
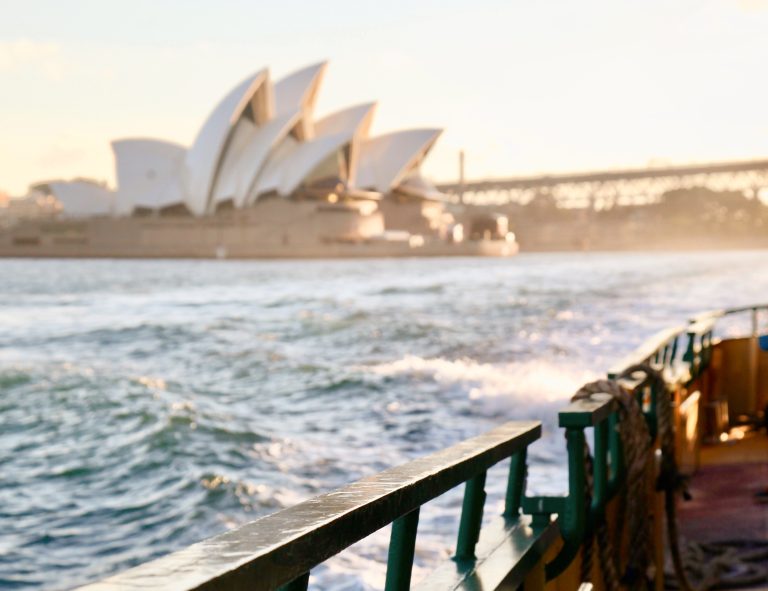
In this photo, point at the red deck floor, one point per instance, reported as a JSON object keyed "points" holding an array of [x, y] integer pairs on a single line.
{"points": [[724, 506]]}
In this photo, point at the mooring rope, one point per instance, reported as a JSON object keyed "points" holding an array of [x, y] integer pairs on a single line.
{"points": [[725, 565], [636, 442], [721, 565], [670, 480]]}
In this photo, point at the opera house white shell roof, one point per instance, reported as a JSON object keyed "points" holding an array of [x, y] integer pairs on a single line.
{"points": [[80, 198], [148, 174], [261, 139], [386, 159]]}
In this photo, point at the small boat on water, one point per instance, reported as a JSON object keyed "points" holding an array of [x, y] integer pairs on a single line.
{"points": [[683, 416]]}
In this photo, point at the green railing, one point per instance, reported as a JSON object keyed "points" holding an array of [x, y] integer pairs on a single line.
{"points": [[684, 352], [573, 520], [753, 310], [754, 347], [666, 351], [681, 353], [662, 351], [677, 351], [279, 550]]}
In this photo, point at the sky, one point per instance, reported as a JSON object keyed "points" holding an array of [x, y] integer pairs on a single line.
{"points": [[522, 87]]}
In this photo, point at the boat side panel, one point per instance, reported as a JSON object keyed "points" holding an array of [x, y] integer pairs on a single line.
{"points": [[740, 377]]}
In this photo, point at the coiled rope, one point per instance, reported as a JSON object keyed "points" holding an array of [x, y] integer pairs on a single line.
{"points": [[636, 443], [711, 565], [670, 480], [725, 565]]}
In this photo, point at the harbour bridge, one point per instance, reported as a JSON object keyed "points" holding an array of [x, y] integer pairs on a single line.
{"points": [[606, 189]]}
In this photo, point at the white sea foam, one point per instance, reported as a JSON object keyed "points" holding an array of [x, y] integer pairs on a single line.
{"points": [[533, 386]]}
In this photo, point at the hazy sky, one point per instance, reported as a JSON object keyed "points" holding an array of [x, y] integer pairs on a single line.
{"points": [[521, 86]]}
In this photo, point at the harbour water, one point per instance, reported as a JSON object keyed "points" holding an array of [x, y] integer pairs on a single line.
{"points": [[145, 405]]}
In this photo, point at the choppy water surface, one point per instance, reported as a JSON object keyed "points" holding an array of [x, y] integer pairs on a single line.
{"points": [[145, 405]]}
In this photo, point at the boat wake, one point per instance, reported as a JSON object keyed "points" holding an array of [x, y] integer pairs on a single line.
{"points": [[532, 388]]}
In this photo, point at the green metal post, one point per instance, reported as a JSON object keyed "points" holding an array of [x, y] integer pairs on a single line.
{"points": [[650, 413], [515, 483], [298, 584], [471, 517], [401, 548], [573, 521], [674, 351], [690, 355]]}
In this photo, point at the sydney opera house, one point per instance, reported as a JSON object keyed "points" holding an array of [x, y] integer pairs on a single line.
{"points": [[263, 177]]}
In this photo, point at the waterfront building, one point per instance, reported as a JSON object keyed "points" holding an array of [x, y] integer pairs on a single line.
{"points": [[264, 177], [261, 140]]}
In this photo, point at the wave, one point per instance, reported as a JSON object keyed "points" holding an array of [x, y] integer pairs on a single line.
{"points": [[535, 387]]}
